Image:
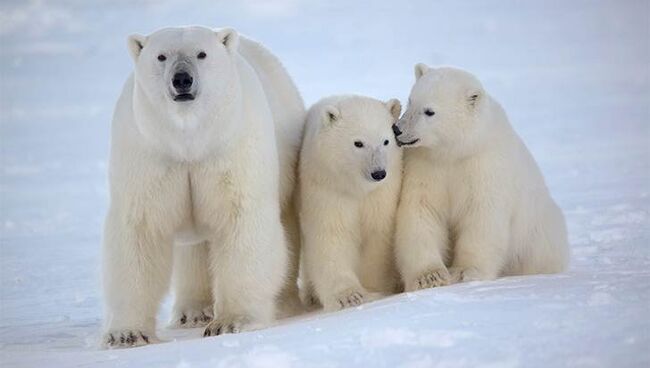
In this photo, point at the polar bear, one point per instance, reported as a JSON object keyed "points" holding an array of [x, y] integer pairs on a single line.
{"points": [[350, 174], [193, 304], [194, 158], [473, 198]]}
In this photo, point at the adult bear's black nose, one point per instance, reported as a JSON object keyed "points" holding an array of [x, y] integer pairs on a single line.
{"points": [[396, 130], [182, 82], [378, 175]]}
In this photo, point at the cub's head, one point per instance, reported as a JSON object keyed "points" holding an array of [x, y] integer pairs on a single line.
{"points": [[352, 136], [442, 110], [180, 68]]}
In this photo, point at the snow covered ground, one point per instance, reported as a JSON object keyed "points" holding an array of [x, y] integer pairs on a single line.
{"points": [[574, 77]]}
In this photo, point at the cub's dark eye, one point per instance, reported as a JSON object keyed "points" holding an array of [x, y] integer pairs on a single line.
{"points": [[386, 142], [201, 55], [162, 57], [429, 112], [358, 144]]}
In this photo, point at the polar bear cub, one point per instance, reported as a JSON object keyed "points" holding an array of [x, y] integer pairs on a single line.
{"points": [[473, 198], [349, 181], [193, 153]]}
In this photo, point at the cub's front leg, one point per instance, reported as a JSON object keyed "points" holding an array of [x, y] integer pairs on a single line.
{"points": [[331, 231], [421, 243], [378, 270]]}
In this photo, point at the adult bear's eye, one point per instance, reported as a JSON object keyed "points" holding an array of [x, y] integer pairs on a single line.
{"points": [[429, 112], [386, 142], [358, 144], [162, 57], [201, 55]]}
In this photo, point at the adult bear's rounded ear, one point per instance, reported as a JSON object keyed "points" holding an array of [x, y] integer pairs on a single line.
{"points": [[136, 43], [420, 69], [229, 38], [395, 108], [474, 97], [331, 115]]}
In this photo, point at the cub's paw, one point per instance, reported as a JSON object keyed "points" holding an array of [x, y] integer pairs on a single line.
{"points": [[466, 274], [191, 317], [431, 279], [126, 338], [225, 325]]}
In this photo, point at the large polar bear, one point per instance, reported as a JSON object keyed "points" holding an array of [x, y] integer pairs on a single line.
{"points": [[473, 198], [194, 158], [350, 174]]}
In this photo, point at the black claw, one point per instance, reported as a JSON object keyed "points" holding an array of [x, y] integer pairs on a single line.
{"points": [[183, 319], [144, 337], [206, 333], [111, 339], [132, 339], [219, 330]]}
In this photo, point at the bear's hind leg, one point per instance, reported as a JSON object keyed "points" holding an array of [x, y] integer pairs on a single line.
{"points": [[289, 303], [482, 246], [544, 249]]}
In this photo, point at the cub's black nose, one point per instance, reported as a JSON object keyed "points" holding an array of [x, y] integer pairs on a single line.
{"points": [[182, 82], [396, 130], [378, 175]]}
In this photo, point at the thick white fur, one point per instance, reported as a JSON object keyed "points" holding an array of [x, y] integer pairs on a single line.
{"points": [[473, 198], [347, 218], [208, 170], [288, 112]]}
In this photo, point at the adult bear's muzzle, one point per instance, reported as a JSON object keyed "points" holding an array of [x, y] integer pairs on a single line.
{"points": [[182, 83]]}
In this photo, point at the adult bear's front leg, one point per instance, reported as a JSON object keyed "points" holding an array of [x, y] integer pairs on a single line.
{"points": [[137, 266], [192, 287], [249, 265]]}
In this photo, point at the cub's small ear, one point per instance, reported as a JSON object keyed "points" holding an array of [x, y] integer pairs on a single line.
{"points": [[136, 44], [331, 115], [420, 70], [229, 38], [474, 97], [395, 107]]}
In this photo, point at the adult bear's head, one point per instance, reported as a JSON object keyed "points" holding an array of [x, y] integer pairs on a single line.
{"points": [[186, 85]]}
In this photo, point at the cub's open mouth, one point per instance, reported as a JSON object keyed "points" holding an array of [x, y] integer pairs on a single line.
{"points": [[184, 97], [400, 143]]}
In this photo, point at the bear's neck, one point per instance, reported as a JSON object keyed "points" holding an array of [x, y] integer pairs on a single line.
{"points": [[191, 132]]}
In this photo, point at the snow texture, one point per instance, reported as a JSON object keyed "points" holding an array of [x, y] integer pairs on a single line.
{"points": [[573, 76]]}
